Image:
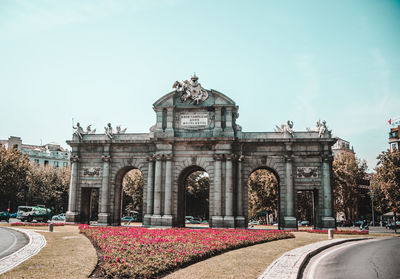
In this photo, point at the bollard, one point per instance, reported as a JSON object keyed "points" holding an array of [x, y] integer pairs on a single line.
{"points": [[331, 233], [51, 225]]}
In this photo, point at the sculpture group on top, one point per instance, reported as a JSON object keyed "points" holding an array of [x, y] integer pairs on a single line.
{"points": [[108, 131], [78, 130], [285, 128], [192, 90], [320, 127]]}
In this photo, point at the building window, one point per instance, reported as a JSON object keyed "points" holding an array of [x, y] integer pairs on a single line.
{"points": [[65, 164], [56, 164], [46, 162], [37, 161], [394, 146]]}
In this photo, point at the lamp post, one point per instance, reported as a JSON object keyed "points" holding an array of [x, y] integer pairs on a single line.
{"points": [[372, 195]]}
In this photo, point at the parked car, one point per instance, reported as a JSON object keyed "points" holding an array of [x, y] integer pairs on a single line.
{"points": [[390, 226], [58, 217], [13, 215], [304, 223], [188, 219], [254, 222], [128, 219], [4, 215], [30, 213]]}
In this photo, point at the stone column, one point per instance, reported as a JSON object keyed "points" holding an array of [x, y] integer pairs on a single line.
{"points": [[328, 221], [290, 219], [229, 221], [156, 218], [240, 219], [217, 220], [150, 190], [72, 214], [104, 204], [167, 217]]}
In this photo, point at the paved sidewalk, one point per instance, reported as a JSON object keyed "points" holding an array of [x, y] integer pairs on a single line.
{"points": [[290, 263], [36, 243]]}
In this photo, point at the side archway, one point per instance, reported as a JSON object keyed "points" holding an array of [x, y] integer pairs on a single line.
{"points": [[133, 178]]}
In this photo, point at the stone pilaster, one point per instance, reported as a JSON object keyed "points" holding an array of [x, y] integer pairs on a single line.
{"points": [[228, 129], [289, 218], [328, 221], [217, 219], [217, 122], [240, 220], [167, 217], [150, 192], [156, 218], [170, 119], [72, 214], [103, 217], [229, 220]]}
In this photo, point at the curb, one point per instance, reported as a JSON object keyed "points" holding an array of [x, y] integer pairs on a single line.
{"points": [[35, 244], [292, 263]]}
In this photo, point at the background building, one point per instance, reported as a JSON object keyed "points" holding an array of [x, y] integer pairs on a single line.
{"points": [[394, 141], [341, 145], [50, 154]]}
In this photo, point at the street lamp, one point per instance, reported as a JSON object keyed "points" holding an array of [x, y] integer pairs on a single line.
{"points": [[372, 195]]}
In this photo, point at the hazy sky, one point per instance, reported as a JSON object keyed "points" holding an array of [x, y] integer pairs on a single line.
{"points": [[109, 61]]}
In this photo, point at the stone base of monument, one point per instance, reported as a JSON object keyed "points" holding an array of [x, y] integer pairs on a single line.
{"points": [[328, 222], [103, 218], [147, 220], [166, 220], [290, 222], [240, 222], [217, 221], [156, 220], [229, 222], [72, 217]]}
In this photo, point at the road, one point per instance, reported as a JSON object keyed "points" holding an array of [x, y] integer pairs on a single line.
{"points": [[11, 241], [367, 259]]}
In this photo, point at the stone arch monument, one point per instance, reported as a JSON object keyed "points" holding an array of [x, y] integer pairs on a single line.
{"points": [[196, 129]]}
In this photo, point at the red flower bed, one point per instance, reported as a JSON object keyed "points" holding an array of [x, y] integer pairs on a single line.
{"points": [[145, 253], [35, 224]]}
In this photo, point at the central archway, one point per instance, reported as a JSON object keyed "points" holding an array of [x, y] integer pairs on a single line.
{"points": [[194, 193]]}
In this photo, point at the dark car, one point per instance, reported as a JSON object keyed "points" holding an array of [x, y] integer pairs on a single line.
{"points": [[390, 226], [4, 215], [13, 215]]}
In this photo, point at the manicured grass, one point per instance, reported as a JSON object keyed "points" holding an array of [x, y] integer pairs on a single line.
{"points": [[147, 253], [68, 254]]}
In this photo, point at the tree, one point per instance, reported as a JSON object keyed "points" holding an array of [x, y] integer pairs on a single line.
{"points": [[132, 185], [14, 169], [348, 171], [263, 192], [386, 182]]}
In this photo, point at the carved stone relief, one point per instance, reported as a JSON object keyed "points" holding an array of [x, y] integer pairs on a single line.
{"points": [[307, 172]]}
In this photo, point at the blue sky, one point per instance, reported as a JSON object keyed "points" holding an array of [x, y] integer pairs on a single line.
{"points": [[109, 61]]}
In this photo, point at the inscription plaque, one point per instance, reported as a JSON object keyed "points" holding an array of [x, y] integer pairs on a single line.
{"points": [[194, 120]]}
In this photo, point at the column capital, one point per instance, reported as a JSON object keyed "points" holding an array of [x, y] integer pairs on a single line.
{"points": [[151, 158], [74, 158], [229, 157], [158, 157], [169, 157], [240, 158], [327, 158], [106, 158], [288, 158], [218, 157]]}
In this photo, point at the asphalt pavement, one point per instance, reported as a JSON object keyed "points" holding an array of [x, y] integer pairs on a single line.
{"points": [[366, 259], [11, 241]]}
